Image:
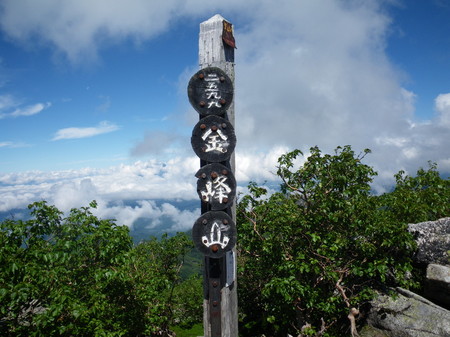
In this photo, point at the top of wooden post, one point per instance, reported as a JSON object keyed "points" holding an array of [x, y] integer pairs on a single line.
{"points": [[211, 48]]}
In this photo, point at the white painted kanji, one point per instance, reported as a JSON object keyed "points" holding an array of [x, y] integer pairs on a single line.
{"points": [[212, 91], [216, 237], [209, 193], [215, 141], [221, 188], [216, 189]]}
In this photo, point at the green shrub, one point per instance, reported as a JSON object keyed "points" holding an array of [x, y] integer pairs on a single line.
{"points": [[81, 276], [323, 243]]}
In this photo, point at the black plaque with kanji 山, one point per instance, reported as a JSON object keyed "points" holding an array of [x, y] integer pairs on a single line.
{"points": [[213, 139], [210, 91], [216, 186], [214, 233]]}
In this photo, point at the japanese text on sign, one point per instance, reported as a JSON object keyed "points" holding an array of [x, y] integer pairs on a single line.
{"points": [[216, 189], [216, 186], [213, 139], [210, 91]]}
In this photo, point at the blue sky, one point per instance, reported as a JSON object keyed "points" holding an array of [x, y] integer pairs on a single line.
{"points": [[419, 46], [93, 100], [126, 89]]}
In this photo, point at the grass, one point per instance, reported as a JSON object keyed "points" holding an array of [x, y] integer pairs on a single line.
{"points": [[195, 331]]}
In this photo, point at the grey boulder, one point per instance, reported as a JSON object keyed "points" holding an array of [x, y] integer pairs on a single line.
{"points": [[433, 241], [407, 315]]}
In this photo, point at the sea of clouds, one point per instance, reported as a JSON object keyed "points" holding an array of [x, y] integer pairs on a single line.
{"points": [[126, 193]]}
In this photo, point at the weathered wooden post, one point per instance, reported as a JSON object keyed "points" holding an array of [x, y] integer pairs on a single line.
{"points": [[211, 92]]}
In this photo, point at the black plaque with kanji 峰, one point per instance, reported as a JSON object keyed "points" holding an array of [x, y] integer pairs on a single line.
{"points": [[214, 233], [210, 91], [216, 186], [213, 139]]}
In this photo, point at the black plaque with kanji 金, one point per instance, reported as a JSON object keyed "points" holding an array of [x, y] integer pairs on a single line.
{"points": [[216, 186], [213, 139], [214, 233], [210, 91]]}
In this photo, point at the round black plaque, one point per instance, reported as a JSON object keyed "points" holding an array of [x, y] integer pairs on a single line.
{"points": [[214, 233], [216, 186], [210, 91], [213, 139]]}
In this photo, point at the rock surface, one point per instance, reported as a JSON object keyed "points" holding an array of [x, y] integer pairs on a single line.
{"points": [[433, 240], [437, 286], [407, 315], [370, 331]]}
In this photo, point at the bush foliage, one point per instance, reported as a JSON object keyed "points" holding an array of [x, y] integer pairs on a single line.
{"points": [[81, 276], [323, 243], [308, 254]]}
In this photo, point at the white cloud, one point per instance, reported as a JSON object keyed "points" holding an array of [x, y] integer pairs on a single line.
{"points": [[6, 144], [79, 28], [66, 194], [139, 182], [394, 141], [259, 167], [12, 145], [30, 110], [181, 219], [340, 89], [443, 108], [155, 143], [7, 102], [85, 132], [316, 73]]}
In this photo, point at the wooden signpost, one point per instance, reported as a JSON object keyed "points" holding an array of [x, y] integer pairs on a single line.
{"points": [[211, 92]]}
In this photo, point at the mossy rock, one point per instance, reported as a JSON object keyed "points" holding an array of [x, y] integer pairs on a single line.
{"points": [[370, 331]]}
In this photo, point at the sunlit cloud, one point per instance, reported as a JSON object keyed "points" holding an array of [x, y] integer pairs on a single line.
{"points": [[139, 182], [113, 189], [443, 108], [85, 132]]}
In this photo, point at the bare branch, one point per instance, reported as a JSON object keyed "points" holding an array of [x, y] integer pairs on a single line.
{"points": [[351, 316]]}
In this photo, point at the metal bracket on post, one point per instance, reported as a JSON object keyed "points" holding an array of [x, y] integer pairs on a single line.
{"points": [[214, 294], [230, 267]]}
